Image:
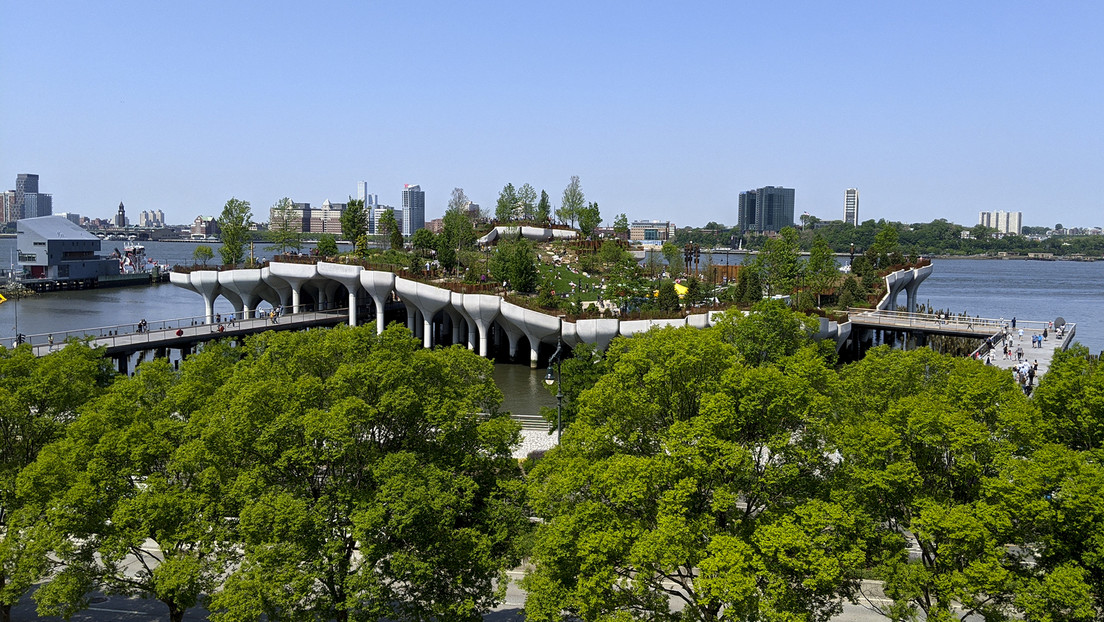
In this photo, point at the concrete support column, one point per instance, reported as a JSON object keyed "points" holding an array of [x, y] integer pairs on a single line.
{"points": [[347, 275], [379, 286], [296, 276]]}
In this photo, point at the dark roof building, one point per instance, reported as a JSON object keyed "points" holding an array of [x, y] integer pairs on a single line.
{"points": [[52, 247]]}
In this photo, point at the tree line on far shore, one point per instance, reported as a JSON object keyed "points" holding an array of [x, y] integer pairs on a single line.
{"points": [[737, 472]]}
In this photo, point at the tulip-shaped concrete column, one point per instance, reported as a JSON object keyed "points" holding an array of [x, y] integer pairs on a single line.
{"points": [[206, 282], [379, 286], [482, 309], [457, 302], [246, 284], [280, 288], [428, 299], [918, 276], [184, 279], [535, 325], [347, 275], [895, 282], [599, 332], [296, 275]]}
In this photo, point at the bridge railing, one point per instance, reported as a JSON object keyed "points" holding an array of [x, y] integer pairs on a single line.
{"points": [[904, 318], [155, 330]]}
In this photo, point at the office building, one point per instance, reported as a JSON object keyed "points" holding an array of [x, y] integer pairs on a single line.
{"points": [[851, 207], [413, 209], [71, 217], [651, 231], [371, 201], [1003, 222], [766, 209]]}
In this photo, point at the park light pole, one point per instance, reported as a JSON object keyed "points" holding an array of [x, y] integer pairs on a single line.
{"points": [[557, 358]]}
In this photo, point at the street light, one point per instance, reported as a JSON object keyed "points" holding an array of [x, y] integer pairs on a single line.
{"points": [[550, 378]]}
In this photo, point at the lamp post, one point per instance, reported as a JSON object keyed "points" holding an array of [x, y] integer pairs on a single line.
{"points": [[550, 378]]}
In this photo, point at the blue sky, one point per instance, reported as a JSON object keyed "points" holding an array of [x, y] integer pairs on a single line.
{"points": [[664, 110]]}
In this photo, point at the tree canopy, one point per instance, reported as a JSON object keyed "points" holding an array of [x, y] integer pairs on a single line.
{"points": [[234, 231]]}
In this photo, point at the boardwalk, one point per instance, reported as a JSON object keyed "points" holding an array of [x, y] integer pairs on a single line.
{"points": [[181, 333]]}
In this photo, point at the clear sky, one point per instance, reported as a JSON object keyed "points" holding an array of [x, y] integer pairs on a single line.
{"points": [[665, 110]]}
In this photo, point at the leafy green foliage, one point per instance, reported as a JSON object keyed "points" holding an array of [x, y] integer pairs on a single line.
{"points": [[283, 228], [203, 253], [234, 231], [354, 220], [768, 333], [780, 262], [327, 245], [544, 208], [621, 224], [515, 262], [589, 218], [423, 240], [572, 202], [506, 204], [689, 476], [389, 226]]}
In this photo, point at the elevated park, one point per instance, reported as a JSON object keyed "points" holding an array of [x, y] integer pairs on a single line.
{"points": [[320, 293]]}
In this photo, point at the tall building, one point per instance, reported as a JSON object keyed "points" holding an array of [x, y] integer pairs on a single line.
{"points": [[371, 201], [120, 218], [413, 209], [1002, 221], [28, 201], [766, 209], [851, 207]]}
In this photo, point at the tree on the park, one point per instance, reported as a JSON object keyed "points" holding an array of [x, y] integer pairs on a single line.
{"points": [[527, 201], [39, 398], [423, 240], [327, 245], [673, 255], [354, 222], [506, 204], [667, 298], [374, 479], [589, 218], [389, 226], [129, 473], [234, 231], [203, 253], [284, 227], [457, 236], [780, 262], [572, 202], [458, 201], [693, 295], [705, 485], [544, 208], [621, 225], [821, 272], [515, 262]]}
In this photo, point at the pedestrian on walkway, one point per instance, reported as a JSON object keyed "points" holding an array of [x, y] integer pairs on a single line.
{"points": [[1021, 333], [1019, 353]]}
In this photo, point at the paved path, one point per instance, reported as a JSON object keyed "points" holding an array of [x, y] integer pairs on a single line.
{"points": [[1043, 355]]}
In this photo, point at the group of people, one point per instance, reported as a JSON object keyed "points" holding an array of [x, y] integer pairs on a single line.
{"points": [[1025, 375]]}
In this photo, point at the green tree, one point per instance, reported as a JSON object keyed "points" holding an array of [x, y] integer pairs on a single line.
{"points": [[578, 373], [706, 485], [234, 226], [423, 240], [621, 225], [354, 221], [753, 284], [573, 201], [203, 253], [389, 226], [885, 244], [667, 298], [780, 262], [694, 293], [611, 253], [283, 227], [527, 201], [457, 236], [127, 474], [515, 262], [589, 219], [923, 440], [544, 208], [375, 478], [506, 204], [768, 333], [674, 257], [458, 201], [821, 271], [39, 398], [327, 245]]}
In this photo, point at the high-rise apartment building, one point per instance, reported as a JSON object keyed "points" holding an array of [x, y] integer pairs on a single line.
{"points": [[413, 209], [851, 207], [1003, 222], [766, 209]]}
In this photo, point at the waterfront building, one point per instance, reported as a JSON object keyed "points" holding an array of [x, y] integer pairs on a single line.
{"points": [[205, 227], [651, 231], [1003, 222], [52, 247], [120, 217], [851, 207], [151, 219], [766, 209], [413, 209], [7, 201]]}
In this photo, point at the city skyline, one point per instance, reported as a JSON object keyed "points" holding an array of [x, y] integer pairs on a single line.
{"points": [[935, 111]]}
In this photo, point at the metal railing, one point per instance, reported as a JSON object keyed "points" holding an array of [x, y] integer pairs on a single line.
{"points": [[929, 320]]}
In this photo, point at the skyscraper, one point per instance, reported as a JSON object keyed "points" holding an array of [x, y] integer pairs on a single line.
{"points": [[29, 202], [766, 209], [1002, 221], [413, 209], [851, 207]]}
